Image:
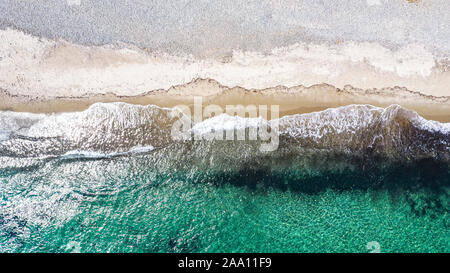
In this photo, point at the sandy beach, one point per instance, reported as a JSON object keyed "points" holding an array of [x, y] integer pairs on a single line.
{"points": [[293, 100], [43, 76]]}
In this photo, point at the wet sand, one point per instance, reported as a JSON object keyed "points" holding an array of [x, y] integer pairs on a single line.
{"points": [[293, 100]]}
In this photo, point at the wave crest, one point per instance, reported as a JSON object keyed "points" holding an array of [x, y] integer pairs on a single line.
{"points": [[115, 128], [103, 128], [392, 131]]}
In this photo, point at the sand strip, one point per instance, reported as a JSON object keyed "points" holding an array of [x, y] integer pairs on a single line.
{"points": [[293, 100]]}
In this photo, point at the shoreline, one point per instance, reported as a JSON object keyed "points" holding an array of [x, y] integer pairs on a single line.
{"points": [[292, 100], [39, 67]]}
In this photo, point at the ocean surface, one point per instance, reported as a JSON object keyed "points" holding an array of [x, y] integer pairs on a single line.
{"points": [[111, 179]]}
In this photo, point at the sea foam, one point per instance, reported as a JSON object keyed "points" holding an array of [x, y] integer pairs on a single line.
{"points": [[107, 129]]}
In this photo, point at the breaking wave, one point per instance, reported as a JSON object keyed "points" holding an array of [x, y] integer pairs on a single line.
{"points": [[111, 129], [103, 129]]}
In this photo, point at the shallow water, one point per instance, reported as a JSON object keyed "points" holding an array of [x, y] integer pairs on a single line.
{"points": [[131, 204]]}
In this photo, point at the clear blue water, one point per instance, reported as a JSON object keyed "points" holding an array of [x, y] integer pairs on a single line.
{"points": [[137, 204]]}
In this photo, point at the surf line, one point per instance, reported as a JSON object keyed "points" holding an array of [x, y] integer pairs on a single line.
{"points": [[235, 120]]}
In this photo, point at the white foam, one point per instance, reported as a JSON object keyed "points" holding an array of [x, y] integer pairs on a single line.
{"points": [[225, 122], [77, 154], [431, 125], [94, 132], [344, 119], [112, 129]]}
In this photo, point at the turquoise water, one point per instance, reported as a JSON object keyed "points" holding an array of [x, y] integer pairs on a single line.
{"points": [[135, 204], [112, 179]]}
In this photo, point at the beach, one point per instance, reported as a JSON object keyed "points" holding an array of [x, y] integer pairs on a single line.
{"points": [[213, 126], [58, 76], [293, 100]]}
